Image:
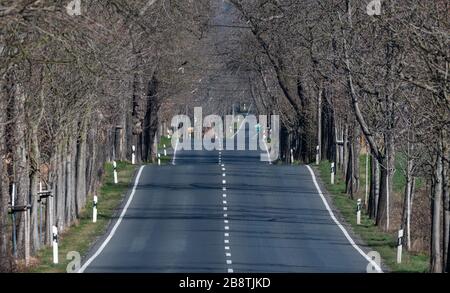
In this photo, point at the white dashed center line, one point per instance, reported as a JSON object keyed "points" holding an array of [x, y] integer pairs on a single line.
{"points": [[226, 239]]}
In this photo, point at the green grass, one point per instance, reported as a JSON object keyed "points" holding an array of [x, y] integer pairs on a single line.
{"points": [[79, 237], [165, 140], [384, 243], [399, 179], [165, 159]]}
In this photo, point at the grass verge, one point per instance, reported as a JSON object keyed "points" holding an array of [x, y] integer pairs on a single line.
{"points": [[384, 243], [80, 236], [164, 141]]}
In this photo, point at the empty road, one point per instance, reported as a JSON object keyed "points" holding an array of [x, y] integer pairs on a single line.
{"points": [[225, 211]]}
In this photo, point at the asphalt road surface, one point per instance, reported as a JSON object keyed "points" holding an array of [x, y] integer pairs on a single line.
{"points": [[225, 212]]}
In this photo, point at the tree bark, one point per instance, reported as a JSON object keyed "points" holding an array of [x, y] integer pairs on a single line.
{"points": [[385, 191], [436, 249], [319, 123], [407, 203], [4, 188], [374, 188], [34, 183], [80, 167]]}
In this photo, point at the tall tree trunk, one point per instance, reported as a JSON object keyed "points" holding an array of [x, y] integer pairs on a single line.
{"points": [[387, 167], [60, 196], [34, 183], [407, 204], [374, 187], [70, 180], [80, 167], [445, 180], [436, 229], [350, 170], [319, 124], [5, 239], [352, 175], [345, 150], [21, 168], [356, 154], [150, 134]]}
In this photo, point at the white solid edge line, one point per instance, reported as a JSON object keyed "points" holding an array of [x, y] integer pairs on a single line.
{"points": [[267, 150], [175, 153], [349, 238], [113, 230]]}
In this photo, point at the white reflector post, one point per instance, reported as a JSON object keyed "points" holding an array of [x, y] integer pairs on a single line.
{"points": [[55, 244], [115, 172], [358, 212], [317, 155], [399, 246], [333, 171], [94, 210]]}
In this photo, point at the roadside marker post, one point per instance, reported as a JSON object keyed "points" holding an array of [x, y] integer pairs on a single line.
{"points": [[55, 244], [358, 212], [399, 246], [159, 159], [292, 156], [94, 209], [165, 151], [40, 214], [317, 155], [133, 155], [14, 232], [115, 172], [333, 172]]}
